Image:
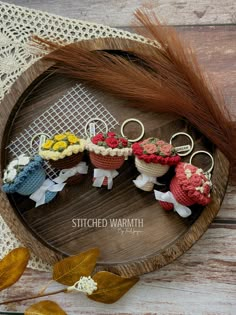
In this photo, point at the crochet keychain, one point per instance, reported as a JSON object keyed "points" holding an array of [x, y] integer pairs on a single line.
{"points": [[65, 152], [153, 158], [190, 185], [107, 152], [26, 176]]}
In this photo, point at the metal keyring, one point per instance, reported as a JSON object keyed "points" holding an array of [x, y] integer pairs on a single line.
{"points": [[94, 119], [36, 136], [132, 120], [184, 146], [207, 153]]}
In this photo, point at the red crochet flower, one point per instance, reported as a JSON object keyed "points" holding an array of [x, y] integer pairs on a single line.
{"points": [[111, 134], [112, 142], [98, 138], [124, 142], [137, 149]]}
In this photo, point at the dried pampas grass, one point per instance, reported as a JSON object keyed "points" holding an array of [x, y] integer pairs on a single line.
{"points": [[163, 77]]}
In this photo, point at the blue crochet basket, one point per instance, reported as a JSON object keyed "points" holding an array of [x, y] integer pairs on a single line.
{"points": [[29, 179]]}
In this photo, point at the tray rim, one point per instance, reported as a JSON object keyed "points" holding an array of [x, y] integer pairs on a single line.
{"points": [[40, 247]]}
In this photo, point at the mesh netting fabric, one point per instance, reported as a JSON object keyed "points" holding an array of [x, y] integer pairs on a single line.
{"points": [[18, 24]]}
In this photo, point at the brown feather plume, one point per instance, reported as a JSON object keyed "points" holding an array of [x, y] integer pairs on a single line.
{"points": [[164, 77]]}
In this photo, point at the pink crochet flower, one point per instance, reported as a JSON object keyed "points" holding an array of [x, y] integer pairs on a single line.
{"points": [[166, 149], [150, 148], [196, 180], [153, 150], [160, 142], [144, 141]]}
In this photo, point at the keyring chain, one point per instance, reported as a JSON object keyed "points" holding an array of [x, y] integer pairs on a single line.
{"points": [[132, 120], [208, 172], [94, 119], [43, 136], [184, 147]]}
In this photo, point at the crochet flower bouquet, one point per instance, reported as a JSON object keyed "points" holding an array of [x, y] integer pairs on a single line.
{"points": [[189, 186], [25, 175], [65, 152], [107, 153], [153, 158]]}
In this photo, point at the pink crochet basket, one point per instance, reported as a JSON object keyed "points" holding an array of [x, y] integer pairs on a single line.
{"points": [[189, 186]]}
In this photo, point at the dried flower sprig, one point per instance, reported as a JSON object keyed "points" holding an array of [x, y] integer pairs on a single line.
{"points": [[76, 272]]}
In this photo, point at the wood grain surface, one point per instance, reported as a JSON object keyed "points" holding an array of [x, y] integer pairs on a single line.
{"points": [[203, 280], [119, 13], [163, 236]]}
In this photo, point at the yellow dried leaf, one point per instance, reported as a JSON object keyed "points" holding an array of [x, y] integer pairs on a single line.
{"points": [[111, 287], [69, 270], [45, 308], [12, 266]]}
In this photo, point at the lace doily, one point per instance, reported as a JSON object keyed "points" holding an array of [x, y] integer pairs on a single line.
{"points": [[17, 25]]}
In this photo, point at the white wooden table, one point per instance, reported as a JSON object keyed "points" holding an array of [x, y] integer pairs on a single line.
{"points": [[203, 280]]}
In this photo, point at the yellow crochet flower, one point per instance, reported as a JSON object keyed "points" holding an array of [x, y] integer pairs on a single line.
{"points": [[60, 146], [73, 139], [60, 137], [48, 144]]}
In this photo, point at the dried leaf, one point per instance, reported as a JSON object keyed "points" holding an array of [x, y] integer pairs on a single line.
{"points": [[12, 266], [45, 308], [69, 270], [111, 287]]}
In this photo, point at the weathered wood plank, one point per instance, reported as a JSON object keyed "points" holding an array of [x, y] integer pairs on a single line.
{"points": [[202, 281], [216, 49], [227, 214], [120, 13]]}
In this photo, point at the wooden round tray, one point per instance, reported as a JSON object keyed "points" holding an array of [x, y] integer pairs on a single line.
{"points": [[48, 231]]}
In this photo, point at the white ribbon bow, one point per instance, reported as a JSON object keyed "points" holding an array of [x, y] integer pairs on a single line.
{"points": [[182, 210], [39, 195], [100, 174], [81, 168], [143, 179]]}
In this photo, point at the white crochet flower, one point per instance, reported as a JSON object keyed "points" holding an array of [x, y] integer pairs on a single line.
{"points": [[199, 171], [11, 175], [14, 167], [188, 173], [23, 159], [85, 284]]}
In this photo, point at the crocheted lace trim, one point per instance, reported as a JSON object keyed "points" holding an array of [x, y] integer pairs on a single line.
{"points": [[17, 25]]}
